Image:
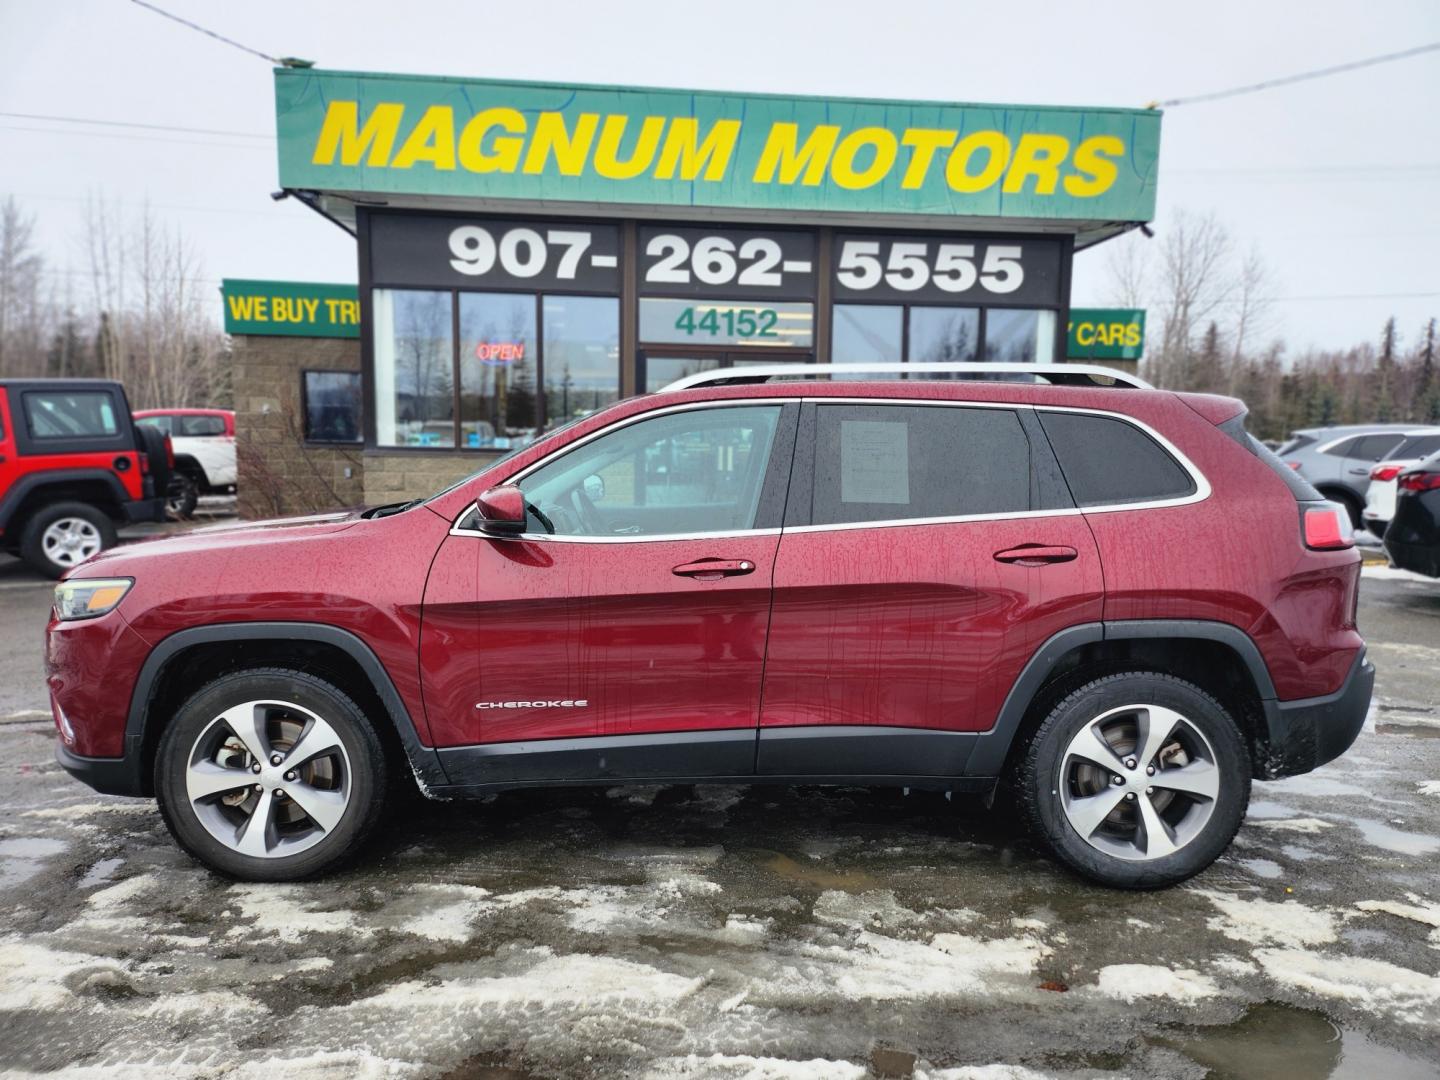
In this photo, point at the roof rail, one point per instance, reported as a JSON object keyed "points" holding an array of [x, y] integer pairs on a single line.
{"points": [[1059, 374]]}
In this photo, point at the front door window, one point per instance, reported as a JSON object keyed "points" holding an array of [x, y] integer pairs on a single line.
{"points": [[687, 472]]}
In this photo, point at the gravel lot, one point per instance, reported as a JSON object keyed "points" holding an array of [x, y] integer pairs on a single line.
{"points": [[733, 932]]}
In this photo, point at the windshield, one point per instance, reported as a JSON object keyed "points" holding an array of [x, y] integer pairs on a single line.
{"points": [[507, 456]]}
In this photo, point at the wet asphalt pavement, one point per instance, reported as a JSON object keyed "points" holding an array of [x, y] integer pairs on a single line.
{"points": [[733, 932]]}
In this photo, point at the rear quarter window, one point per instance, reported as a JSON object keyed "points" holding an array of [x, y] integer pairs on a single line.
{"points": [[1109, 462], [199, 427], [78, 414]]}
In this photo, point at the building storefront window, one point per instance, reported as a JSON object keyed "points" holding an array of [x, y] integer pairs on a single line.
{"points": [[499, 355], [868, 334], [1019, 336], [582, 355], [332, 406], [414, 369], [940, 335]]}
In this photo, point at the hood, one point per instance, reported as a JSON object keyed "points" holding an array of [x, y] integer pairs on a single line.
{"points": [[228, 536]]}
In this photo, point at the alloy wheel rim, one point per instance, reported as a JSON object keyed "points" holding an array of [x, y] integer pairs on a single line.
{"points": [[70, 541], [268, 779], [1139, 782]]}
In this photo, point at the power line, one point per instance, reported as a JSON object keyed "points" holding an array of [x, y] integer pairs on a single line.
{"points": [[1286, 80], [208, 33], [131, 124], [134, 138]]}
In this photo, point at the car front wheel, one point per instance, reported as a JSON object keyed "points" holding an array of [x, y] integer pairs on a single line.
{"points": [[1137, 780], [270, 775]]}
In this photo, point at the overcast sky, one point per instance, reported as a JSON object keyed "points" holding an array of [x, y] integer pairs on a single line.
{"points": [[1337, 182]]}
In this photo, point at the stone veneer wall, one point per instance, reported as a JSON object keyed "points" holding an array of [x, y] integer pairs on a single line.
{"points": [[279, 473], [391, 477]]}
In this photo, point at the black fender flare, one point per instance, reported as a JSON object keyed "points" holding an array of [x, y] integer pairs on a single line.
{"points": [[993, 747], [35, 481], [424, 760]]}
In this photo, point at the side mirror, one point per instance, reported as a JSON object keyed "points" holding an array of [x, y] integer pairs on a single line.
{"points": [[502, 510]]}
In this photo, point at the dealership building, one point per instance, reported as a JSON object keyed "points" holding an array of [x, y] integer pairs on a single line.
{"points": [[528, 253]]}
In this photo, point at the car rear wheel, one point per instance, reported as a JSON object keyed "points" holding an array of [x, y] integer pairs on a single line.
{"points": [[270, 775], [61, 537], [1136, 780], [183, 496]]}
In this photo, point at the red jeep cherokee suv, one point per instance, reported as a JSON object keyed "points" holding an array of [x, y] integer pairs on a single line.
{"points": [[1111, 598]]}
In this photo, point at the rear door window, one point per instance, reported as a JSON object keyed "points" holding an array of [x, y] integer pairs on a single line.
{"points": [[1374, 447], [913, 462], [1108, 461], [199, 427], [80, 414]]}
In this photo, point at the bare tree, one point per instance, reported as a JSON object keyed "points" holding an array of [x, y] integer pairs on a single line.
{"points": [[1253, 309], [23, 312], [1129, 267], [1194, 283]]}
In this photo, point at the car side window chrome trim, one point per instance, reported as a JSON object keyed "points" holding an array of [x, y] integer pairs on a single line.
{"points": [[1202, 490]]}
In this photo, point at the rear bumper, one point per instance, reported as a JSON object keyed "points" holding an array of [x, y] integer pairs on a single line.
{"points": [[138, 510], [1421, 558], [109, 776], [1306, 734]]}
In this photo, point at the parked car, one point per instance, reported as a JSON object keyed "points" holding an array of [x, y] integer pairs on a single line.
{"points": [[73, 467], [204, 454], [936, 584], [1413, 539], [1380, 495], [1338, 460]]}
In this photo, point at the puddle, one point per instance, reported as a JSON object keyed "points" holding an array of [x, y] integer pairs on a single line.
{"points": [[819, 876], [1263, 868], [1415, 731], [1280, 1042], [1393, 839]]}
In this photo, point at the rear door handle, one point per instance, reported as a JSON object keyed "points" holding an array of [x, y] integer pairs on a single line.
{"points": [[1036, 554], [714, 569]]}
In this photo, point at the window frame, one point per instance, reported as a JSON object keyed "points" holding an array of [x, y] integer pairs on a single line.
{"points": [[1043, 462], [305, 435]]}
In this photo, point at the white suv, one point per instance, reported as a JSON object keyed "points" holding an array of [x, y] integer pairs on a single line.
{"points": [[204, 441]]}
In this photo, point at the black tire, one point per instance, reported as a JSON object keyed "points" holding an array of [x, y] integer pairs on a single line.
{"points": [[51, 561], [363, 754], [1039, 781], [183, 496]]}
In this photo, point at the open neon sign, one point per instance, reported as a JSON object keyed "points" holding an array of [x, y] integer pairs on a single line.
{"points": [[498, 353]]}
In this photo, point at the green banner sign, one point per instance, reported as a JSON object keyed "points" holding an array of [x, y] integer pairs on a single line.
{"points": [[1105, 334], [290, 308], [416, 135]]}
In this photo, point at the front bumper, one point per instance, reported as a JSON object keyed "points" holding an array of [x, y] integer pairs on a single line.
{"points": [[1305, 734], [109, 776]]}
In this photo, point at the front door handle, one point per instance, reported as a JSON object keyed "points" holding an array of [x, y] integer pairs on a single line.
{"points": [[1359, 472], [714, 569], [1036, 554]]}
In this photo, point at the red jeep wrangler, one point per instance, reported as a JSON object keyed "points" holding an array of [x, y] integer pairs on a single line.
{"points": [[73, 466], [927, 583]]}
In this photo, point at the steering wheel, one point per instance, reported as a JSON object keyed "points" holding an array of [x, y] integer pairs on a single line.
{"points": [[585, 511]]}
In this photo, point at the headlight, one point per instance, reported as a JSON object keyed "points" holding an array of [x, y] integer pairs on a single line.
{"points": [[85, 598]]}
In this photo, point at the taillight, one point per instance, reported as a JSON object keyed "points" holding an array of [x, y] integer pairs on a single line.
{"points": [[1385, 472], [1294, 465], [144, 464], [170, 453], [1420, 481], [1327, 527]]}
